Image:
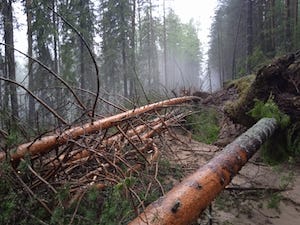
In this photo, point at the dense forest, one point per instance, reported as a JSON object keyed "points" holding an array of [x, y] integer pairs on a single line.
{"points": [[79, 50], [116, 111], [247, 34]]}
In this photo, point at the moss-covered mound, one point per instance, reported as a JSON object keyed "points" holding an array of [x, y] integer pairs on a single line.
{"points": [[281, 80]]}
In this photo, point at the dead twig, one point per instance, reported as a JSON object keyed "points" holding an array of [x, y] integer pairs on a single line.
{"points": [[32, 193], [40, 178], [77, 206], [133, 144]]}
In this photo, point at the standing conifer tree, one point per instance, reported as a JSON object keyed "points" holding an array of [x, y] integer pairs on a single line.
{"points": [[10, 67], [116, 32]]}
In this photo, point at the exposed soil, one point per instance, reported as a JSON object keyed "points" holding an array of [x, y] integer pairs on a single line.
{"points": [[259, 194]]}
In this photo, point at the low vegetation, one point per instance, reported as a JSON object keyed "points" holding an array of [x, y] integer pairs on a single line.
{"points": [[285, 142], [204, 125]]}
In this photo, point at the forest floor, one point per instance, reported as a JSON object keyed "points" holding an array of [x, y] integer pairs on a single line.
{"points": [[259, 194]]}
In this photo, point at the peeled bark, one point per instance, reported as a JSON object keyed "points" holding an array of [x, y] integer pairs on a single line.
{"points": [[183, 204], [134, 134], [49, 142]]}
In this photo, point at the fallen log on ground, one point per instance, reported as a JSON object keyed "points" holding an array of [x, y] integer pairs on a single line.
{"points": [[47, 143], [185, 202], [104, 157], [134, 134]]}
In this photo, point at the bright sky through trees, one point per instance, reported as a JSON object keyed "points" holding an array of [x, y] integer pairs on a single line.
{"points": [[201, 11]]}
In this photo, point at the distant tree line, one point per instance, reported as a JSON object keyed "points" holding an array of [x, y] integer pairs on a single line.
{"points": [[141, 47], [247, 33]]}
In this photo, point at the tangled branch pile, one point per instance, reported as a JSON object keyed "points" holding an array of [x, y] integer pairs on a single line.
{"points": [[97, 154]]}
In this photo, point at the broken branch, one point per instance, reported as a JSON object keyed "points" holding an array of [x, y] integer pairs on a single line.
{"points": [[49, 142]]}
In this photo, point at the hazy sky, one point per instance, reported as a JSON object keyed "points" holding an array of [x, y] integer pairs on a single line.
{"points": [[202, 11]]}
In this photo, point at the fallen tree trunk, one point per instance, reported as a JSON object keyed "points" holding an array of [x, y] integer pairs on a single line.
{"points": [[183, 204], [49, 142], [136, 133]]}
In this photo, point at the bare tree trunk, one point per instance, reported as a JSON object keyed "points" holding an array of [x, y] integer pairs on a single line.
{"points": [[82, 67], [273, 18], [165, 44], [261, 27], [236, 42], [296, 11], [220, 54], [132, 83], [288, 29], [82, 71], [140, 21], [294, 23], [58, 100], [2, 106], [270, 29], [249, 33], [9, 54], [182, 205], [123, 52], [54, 21], [124, 63], [155, 73], [149, 53], [209, 77], [31, 103]]}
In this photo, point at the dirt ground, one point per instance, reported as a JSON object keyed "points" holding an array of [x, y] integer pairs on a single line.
{"points": [[259, 194]]}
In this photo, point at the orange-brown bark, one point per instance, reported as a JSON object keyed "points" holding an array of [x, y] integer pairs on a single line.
{"points": [[47, 143], [185, 202]]}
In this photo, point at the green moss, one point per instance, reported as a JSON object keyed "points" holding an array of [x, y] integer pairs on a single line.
{"points": [[242, 84], [286, 140], [204, 125], [293, 139], [274, 201]]}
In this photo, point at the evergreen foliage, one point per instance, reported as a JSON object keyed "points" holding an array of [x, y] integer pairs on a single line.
{"points": [[204, 125], [247, 34], [269, 109], [285, 142], [184, 53]]}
